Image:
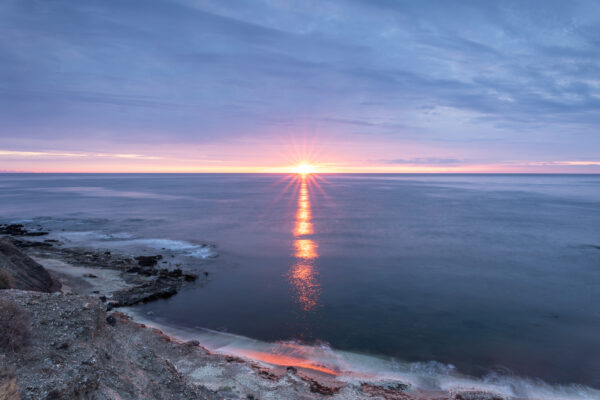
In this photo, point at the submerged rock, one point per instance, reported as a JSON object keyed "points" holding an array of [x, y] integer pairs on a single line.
{"points": [[477, 395], [36, 233], [148, 261], [12, 229], [22, 244], [19, 230], [159, 288]]}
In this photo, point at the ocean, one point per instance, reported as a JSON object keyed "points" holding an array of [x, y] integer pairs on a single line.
{"points": [[491, 276]]}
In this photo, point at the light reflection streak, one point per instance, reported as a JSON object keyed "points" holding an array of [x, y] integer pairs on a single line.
{"points": [[303, 216], [300, 359], [303, 274]]}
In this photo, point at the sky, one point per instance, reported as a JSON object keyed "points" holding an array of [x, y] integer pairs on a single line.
{"points": [[260, 85]]}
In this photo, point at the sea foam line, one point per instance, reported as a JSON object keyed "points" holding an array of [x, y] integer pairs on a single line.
{"points": [[355, 368]]}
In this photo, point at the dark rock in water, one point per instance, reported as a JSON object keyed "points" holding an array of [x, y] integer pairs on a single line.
{"points": [[477, 396], [134, 270], [27, 243], [111, 320], [37, 233], [190, 277], [19, 230], [12, 229], [90, 275], [26, 273], [149, 272], [148, 261], [159, 288], [176, 273], [102, 299]]}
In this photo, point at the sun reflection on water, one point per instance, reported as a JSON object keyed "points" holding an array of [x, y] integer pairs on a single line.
{"points": [[303, 216], [303, 274]]}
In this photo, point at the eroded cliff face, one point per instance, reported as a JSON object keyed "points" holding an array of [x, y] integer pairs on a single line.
{"points": [[26, 274], [75, 352]]}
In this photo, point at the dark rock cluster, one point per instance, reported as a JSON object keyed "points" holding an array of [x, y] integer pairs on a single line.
{"points": [[148, 261], [147, 281], [19, 230], [158, 288]]}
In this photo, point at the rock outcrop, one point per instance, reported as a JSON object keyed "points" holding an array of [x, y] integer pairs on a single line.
{"points": [[75, 352], [25, 272]]}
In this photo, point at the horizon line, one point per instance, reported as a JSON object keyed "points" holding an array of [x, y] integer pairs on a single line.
{"points": [[295, 173]]}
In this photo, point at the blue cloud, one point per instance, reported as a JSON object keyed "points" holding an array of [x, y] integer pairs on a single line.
{"points": [[186, 71], [424, 161]]}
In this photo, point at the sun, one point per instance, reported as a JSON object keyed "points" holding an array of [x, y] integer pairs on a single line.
{"points": [[304, 169]]}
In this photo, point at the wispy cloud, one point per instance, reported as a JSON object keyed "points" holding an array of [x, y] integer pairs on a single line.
{"points": [[567, 163], [133, 156], [376, 73], [421, 161], [13, 153]]}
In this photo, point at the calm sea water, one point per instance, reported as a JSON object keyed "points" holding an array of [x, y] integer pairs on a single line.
{"points": [[484, 272]]}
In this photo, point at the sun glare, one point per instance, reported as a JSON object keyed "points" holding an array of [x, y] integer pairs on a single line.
{"points": [[304, 169]]}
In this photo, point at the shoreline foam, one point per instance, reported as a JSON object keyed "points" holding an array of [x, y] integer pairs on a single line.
{"points": [[354, 368]]}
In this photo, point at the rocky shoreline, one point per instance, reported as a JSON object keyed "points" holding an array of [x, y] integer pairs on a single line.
{"points": [[145, 279], [80, 347]]}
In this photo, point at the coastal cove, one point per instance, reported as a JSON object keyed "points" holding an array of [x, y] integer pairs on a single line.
{"points": [[200, 364], [284, 267]]}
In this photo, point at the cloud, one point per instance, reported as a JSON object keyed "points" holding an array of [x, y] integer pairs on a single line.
{"points": [[112, 76], [38, 154], [426, 161], [11, 153], [132, 156], [567, 163]]}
